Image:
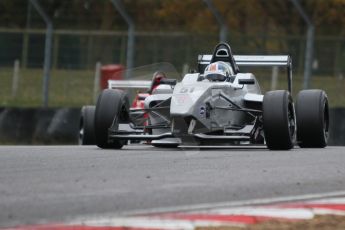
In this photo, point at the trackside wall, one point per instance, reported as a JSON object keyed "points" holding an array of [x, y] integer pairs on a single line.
{"points": [[39, 125]]}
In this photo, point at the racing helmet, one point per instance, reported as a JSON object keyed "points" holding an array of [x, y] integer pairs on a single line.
{"points": [[218, 71]]}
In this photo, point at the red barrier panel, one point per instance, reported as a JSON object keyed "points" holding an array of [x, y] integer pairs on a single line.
{"points": [[108, 72]]}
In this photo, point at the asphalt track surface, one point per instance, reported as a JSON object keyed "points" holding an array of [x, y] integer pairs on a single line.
{"points": [[58, 183]]}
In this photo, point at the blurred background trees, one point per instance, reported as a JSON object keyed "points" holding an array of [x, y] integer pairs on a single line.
{"points": [[245, 16]]}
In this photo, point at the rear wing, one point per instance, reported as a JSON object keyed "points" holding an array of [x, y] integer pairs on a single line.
{"points": [[129, 84], [138, 84], [255, 60]]}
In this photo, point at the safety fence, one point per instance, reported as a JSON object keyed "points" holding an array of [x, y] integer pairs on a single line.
{"points": [[82, 49], [75, 54]]}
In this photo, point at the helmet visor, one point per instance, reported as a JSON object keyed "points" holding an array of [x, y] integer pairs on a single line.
{"points": [[215, 77]]}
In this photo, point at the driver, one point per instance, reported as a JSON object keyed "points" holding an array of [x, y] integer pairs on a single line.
{"points": [[219, 71], [156, 80]]}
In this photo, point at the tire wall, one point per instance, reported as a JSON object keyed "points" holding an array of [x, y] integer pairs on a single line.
{"points": [[39, 126], [337, 126], [61, 126]]}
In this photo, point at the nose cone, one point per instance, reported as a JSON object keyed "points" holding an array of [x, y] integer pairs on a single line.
{"points": [[181, 104], [185, 98]]}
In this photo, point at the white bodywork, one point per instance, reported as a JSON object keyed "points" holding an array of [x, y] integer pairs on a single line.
{"points": [[206, 110]]}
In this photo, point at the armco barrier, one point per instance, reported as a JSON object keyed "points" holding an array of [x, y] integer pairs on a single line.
{"points": [[61, 126]]}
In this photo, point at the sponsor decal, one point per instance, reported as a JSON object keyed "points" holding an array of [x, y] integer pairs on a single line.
{"points": [[187, 90], [202, 111]]}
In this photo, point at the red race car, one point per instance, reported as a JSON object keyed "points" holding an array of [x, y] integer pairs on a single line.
{"points": [[144, 88]]}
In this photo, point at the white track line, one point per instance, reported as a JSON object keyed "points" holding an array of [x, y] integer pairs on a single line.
{"points": [[263, 201], [340, 200]]}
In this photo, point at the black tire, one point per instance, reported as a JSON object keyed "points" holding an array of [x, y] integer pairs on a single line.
{"points": [[86, 126], [279, 120], [312, 118], [111, 109]]}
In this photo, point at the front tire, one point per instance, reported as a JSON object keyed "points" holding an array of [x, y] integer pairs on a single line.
{"points": [[111, 109], [279, 120], [312, 118]]}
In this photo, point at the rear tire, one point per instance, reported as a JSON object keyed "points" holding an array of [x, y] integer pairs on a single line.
{"points": [[279, 120], [111, 109], [312, 118], [87, 127]]}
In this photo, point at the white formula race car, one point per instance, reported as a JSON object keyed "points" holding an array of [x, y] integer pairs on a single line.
{"points": [[218, 106]]}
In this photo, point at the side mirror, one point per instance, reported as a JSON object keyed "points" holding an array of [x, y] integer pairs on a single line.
{"points": [[246, 81]]}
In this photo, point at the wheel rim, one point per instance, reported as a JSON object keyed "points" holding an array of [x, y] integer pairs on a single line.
{"points": [[326, 121], [81, 134], [291, 121]]}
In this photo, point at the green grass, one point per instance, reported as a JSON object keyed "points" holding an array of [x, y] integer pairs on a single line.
{"points": [[334, 87], [67, 88], [74, 88]]}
